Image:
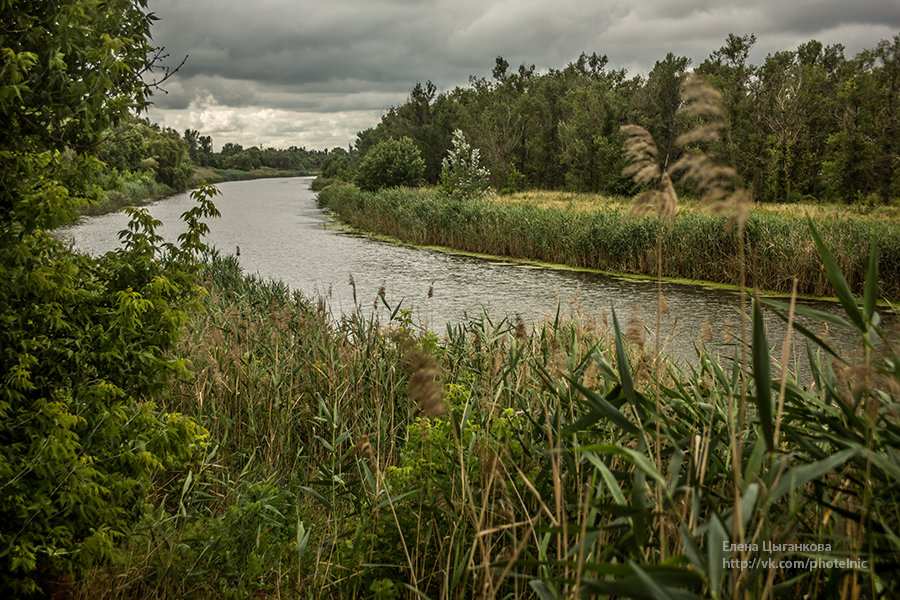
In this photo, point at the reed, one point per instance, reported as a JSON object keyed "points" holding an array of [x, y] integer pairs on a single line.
{"points": [[359, 456], [600, 235]]}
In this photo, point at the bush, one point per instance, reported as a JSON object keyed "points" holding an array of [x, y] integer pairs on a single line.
{"points": [[85, 345], [335, 166], [391, 163]]}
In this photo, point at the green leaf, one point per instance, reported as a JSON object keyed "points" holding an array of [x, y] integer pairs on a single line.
{"points": [[800, 476], [818, 315], [762, 377], [636, 458], [542, 590], [870, 291], [748, 502], [691, 549], [601, 408], [806, 332], [841, 289], [614, 488], [654, 588], [622, 361], [717, 554]]}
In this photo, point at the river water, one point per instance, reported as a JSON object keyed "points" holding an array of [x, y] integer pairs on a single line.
{"points": [[282, 234]]}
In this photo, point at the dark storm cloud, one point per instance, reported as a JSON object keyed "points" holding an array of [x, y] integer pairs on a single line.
{"points": [[350, 60], [810, 16]]}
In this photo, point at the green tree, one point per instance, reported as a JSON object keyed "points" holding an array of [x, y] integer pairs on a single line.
{"points": [[462, 174], [391, 163], [663, 98], [170, 152], [192, 139], [728, 69], [64, 64], [591, 144], [84, 343], [335, 165], [231, 148]]}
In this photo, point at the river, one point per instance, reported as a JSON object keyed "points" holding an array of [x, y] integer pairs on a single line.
{"points": [[282, 234]]}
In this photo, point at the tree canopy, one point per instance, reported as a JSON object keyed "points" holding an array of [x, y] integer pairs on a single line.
{"points": [[808, 123]]}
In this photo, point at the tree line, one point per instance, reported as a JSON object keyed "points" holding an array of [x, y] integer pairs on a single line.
{"points": [[137, 146], [806, 124]]}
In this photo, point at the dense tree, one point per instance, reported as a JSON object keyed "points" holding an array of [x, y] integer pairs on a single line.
{"points": [[64, 63], [335, 165], [729, 70], [806, 123], [391, 163], [231, 148], [192, 140], [662, 98]]}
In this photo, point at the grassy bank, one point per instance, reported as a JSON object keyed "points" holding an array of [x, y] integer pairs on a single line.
{"points": [[366, 458], [136, 189], [597, 233]]}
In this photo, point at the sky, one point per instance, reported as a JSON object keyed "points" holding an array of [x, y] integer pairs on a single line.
{"points": [[313, 73]]}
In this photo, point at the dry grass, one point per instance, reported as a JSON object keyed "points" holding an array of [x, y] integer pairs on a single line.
{"points": [[562, 200]]}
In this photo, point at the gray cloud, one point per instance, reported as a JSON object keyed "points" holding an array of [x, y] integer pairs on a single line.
{"points": [[337, 65]]}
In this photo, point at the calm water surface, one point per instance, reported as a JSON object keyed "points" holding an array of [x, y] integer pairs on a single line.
{"points": [[283, 235]]}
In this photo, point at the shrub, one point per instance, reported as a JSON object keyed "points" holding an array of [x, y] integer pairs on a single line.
{"points": [[391, 163], [335, 166], [84, 346]]}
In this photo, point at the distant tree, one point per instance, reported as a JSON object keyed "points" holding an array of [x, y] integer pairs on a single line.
{"points": [[663, 96], [231, 148], [462, 175], [204, 150], [336, 165], [392, 163], [170, 150], [728, 69], [192, 139]]}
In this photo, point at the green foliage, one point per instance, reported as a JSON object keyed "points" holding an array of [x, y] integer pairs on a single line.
{"points": [[391, 163], [546, 458], [85, 344], [602, 236], [244, 544], [86, 347], [70, 70], [806, 123], [462, 175], [335, 166]]}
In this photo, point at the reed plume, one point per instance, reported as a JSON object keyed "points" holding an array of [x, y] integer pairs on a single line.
{"points": [[423, 386], [645, 170], [717, 184]]}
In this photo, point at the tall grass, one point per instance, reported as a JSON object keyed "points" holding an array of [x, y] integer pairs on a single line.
{"points": [[695, 246], [362, 457]]}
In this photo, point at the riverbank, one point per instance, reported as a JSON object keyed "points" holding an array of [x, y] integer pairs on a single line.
{"points": [[140, 189], [363, 457], [597, 233]]}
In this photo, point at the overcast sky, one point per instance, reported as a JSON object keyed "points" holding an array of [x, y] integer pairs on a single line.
{"points": [[313, 73]]}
